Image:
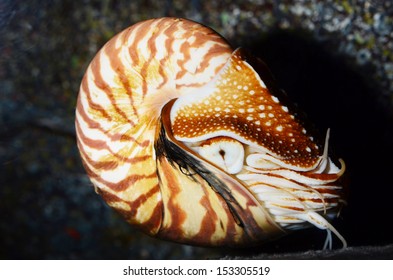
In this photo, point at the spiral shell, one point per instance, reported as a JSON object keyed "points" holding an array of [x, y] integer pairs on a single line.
{"points": [[184, 138]]}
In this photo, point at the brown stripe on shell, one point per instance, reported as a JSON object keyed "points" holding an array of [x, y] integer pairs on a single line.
{"points": [[152, 53], [111, 161], [175, 214], [121, 185], [209, 222], [127, 182], [92, 105], [153, 222], [96, 125], [117, 64], [139, 30], [99, 145], [102, 84]]}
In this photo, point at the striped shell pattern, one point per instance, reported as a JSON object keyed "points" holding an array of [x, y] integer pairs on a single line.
{"points": [[190, 141]]}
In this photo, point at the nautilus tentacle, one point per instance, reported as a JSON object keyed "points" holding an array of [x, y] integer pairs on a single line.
{"points": [[190, 141]]}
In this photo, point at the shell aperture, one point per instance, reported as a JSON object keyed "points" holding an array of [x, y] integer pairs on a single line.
{"points": [[185, 138]]}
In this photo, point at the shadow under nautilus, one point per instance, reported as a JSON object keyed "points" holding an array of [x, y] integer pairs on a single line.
{"points": [[191, 141]]}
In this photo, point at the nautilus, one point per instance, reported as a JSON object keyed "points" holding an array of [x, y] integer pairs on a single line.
{"points": [[191, 141]]}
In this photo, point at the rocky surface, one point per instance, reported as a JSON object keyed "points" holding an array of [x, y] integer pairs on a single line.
{"points": [[335, 58]]}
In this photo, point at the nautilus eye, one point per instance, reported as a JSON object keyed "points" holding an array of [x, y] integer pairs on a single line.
{"points": [[191, 141], [225, 152]]}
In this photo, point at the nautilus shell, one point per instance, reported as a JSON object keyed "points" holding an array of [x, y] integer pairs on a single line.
{"points": [[190, 141]]}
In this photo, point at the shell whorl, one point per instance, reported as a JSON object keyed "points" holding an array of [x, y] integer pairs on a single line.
{"points": [[121, 95], [132, 122]]}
